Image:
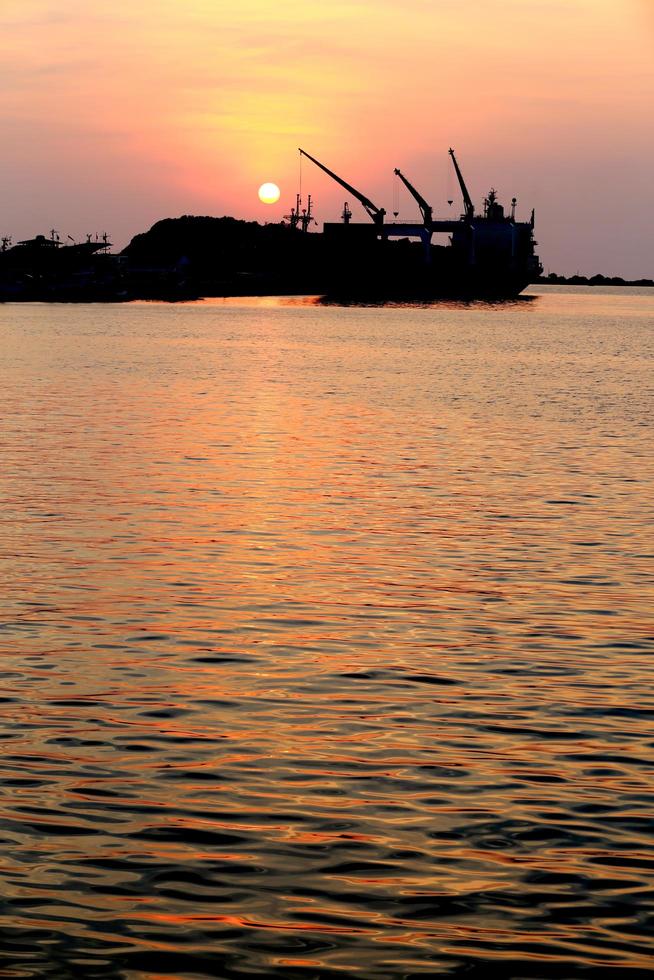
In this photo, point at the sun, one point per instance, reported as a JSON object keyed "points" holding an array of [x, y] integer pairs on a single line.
{"points": [[269, 193]]}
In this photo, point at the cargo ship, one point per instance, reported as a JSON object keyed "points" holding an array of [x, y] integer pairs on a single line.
{"points": [[487, 255]]}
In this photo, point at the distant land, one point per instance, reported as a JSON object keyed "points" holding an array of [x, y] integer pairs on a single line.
{"points": [[553, 279], [193, 256]]}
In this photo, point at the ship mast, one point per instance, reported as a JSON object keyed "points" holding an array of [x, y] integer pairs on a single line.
{"points": [[307, 215], [294, 217]]}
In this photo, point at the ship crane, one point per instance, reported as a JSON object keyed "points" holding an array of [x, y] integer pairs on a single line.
{"points": [[467, 200], [377, 214], [425, 209]]}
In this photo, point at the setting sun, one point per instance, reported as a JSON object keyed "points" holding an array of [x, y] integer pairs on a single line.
{"points": [[269, 193]]}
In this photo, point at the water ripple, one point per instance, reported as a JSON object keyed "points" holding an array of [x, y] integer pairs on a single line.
{"points": [[326, 638]]}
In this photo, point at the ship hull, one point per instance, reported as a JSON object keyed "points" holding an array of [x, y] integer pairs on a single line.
{"points": [[483, 260], [432, 283], [359, 264]]}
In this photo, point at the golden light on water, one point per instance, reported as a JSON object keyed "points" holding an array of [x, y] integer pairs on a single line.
{"points": [[334, 645]]}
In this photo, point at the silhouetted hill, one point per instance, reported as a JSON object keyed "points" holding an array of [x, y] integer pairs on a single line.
{"points": [[214, 250], [197, 238]]}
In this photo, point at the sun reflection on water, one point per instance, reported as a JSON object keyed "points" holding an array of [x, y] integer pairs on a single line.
{"points": [[326, 638]]}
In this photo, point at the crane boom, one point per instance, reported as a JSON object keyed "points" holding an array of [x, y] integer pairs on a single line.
{"points": [[377, 214], [467, 200], [426, 209]]}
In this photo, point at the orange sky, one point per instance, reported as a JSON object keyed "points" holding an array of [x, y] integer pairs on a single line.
{"points": [[117, 114]]}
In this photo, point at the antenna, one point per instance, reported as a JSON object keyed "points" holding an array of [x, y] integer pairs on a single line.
{"points": [[307, 216], [294, 217]]}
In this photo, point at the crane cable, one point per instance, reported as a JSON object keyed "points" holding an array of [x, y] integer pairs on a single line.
{"points": [[449, 182]]}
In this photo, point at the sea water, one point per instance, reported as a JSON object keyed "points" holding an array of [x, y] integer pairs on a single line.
{"points": [[326, 639]]}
